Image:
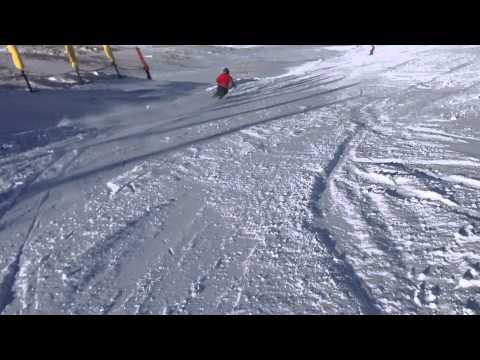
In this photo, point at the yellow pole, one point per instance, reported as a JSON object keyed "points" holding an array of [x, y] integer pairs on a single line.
{"points": [[72, 57], [109, 53], [17, 61]]}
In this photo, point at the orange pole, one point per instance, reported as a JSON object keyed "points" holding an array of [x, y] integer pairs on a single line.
{"points": [[144, 63]]}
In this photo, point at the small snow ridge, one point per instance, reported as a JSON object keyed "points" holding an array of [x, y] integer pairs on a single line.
{"points": [[126, 179], [113, 188], [246, 148], [428, 195], [451, 162], [435, 137], [459, 179], [23, 282], [375, 178], [465, 284], [239, 46], [427, 130], [65, 122], [253, 133], [408, 191], [305, 68]]}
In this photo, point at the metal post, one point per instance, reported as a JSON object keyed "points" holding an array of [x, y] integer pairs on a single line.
{"points": [[72, 57], [109, 53], [80, 80], [144, 63], [117, 71], [27, 81], [18, 62]]}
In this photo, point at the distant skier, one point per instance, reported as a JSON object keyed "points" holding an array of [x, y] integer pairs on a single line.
{"points": [[224, 83], [372, 50]]}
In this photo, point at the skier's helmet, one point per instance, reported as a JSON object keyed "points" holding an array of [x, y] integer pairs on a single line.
{"points": [[226, 71]]}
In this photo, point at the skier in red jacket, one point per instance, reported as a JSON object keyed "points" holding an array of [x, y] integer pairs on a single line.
{"points": [[224, 83]]}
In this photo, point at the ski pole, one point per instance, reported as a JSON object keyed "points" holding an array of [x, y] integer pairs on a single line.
{"points": [[144, 63]]}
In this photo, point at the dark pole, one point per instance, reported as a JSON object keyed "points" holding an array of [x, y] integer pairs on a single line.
{"points": [[116, 70], [27, 81], [80, 80]]}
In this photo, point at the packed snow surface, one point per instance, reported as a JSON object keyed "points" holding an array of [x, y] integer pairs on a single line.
{"points": [[328, 182]]}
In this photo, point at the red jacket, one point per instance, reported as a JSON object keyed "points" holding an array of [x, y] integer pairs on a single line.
{"points": [[225, 81]]}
